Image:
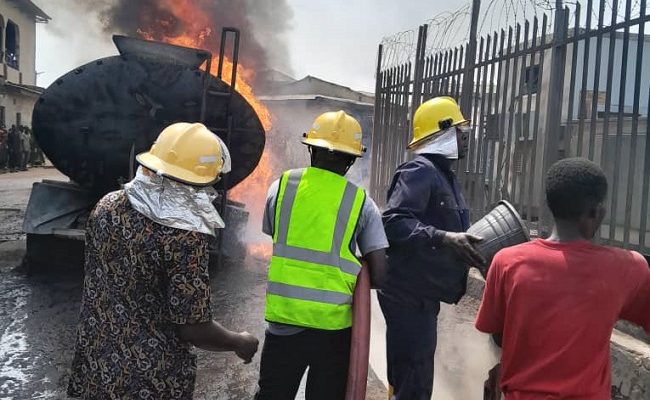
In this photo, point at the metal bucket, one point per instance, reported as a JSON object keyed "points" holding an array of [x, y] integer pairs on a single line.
{"points": [[500, 228]]}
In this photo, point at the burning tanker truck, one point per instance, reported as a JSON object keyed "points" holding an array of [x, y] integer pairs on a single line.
{"points": [[94, 120]]}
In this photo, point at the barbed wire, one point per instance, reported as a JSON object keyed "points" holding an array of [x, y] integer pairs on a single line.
{"points": [[450, 29], [398, 49]]}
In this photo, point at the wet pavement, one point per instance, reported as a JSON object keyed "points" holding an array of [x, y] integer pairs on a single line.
{"points": [[15, 188], [38, 315], [463, 356], [37, 324]]}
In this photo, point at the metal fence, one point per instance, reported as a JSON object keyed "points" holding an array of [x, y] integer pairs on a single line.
{"points": [[536, 93]]}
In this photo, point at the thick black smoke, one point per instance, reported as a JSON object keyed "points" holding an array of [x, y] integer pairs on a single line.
{"points": [[263, 25]]}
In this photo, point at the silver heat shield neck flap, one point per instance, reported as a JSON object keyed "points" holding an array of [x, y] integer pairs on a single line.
{"points": [[444, 143], [174, 204]]}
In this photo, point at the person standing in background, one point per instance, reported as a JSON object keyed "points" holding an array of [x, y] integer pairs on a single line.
{"points": [[13, 144], [4, 150], [35, 153], [25, 148]]}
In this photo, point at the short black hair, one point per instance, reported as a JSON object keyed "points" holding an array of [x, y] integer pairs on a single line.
{"points": [[572, 185]]}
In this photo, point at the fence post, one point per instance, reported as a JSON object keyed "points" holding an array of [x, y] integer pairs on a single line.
{"points": [[418, 72], [470, 62], [376, 128], [554, 109]]}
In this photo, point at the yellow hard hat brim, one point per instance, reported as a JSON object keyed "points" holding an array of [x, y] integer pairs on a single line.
{"points": [[168, 170], [325, 144], [415, 143]]}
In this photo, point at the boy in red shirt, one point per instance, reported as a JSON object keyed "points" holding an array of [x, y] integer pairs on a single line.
{"points": [[552, 304]]}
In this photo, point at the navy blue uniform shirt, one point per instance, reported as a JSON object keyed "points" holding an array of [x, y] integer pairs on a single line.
{"points": [[424, 201]]}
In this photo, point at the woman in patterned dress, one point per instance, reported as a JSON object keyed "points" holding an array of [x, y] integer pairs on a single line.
{"points": [[146, 295]]}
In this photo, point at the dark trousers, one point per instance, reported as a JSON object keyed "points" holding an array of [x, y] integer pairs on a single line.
{"points": [[4, 158], [285, 358], [411, 336], [14, 160], [23, 160]]}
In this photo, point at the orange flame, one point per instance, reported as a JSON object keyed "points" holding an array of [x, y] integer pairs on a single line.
{"points": [[196, 32]]}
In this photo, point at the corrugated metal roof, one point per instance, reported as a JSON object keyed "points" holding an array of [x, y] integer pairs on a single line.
{"points": [[289, 97], [25, 89]]}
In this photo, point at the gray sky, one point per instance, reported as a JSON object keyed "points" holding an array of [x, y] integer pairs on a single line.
{"points": [[335, 39]]}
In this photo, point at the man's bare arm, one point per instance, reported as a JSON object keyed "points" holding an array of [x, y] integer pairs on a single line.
{"points": [[376, 261]]}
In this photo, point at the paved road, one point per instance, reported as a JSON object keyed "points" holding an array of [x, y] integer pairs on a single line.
{"points": [[14, 193], [38, 316], [463, 355]]}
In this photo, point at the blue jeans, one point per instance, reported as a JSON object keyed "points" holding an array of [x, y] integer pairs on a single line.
{"points": [[411, 336]]}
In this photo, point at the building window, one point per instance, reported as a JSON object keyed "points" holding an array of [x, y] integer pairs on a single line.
{"points": [[12, 46], [2, 117], [531, 79], [19, 119]]}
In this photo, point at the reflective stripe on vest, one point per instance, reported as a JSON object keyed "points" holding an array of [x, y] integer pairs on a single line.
{"points": [[309, 287], [297, 292]]}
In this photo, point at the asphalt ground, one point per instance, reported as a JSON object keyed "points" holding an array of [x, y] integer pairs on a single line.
{"points": [[39, 311]]}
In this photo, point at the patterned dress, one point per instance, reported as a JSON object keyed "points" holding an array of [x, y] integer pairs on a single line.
{"points": [[141, 278]]}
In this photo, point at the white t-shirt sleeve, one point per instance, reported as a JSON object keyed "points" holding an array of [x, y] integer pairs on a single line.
{"points": [[370, 235], [268, 220], [370, 229]]}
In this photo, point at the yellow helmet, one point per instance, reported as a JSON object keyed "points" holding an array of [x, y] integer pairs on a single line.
{"points": [[336, 131], [433, 116], [188, 153]]}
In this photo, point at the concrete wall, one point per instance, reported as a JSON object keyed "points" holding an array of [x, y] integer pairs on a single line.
{"points": [[14, 104], [520, 133], [11, 99], [618, 64], [569, 122], [27, 32], [625, 175]]}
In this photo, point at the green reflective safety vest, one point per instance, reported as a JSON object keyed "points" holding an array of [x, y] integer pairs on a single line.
{"points": [[313, 270]]}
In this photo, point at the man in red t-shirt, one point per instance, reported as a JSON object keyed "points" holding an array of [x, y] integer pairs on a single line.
{"points": [[552, 304]]}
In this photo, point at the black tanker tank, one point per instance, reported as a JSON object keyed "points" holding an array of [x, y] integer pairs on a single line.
{"points": [[92, 121]]}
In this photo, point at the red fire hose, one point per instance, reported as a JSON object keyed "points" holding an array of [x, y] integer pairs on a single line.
{"points": [[360, 347]]}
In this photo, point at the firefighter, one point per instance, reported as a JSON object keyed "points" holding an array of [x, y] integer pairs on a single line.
{"points": [[318, 221], [429, 255]]}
